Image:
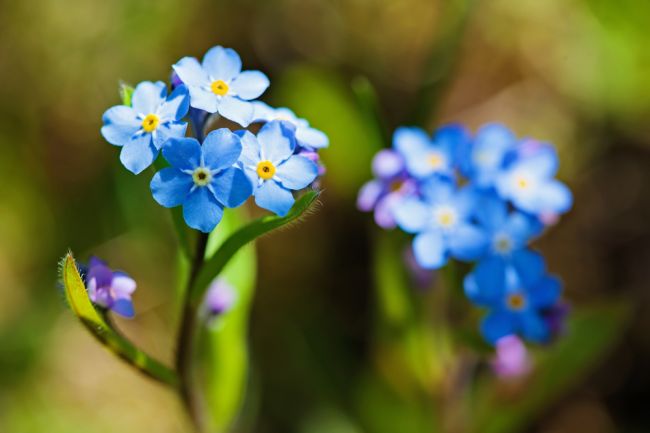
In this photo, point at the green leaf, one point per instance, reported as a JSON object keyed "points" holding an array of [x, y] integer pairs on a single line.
{"points": [[591, 333], [126, 93], [213, 266], [77, 297]]}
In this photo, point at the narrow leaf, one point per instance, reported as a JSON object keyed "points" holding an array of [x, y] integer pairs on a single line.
{"points": [[80, 303], [126, 93]]}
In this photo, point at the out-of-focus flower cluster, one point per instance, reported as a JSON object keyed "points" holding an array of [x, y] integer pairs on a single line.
{"points": [[482, 199], [205, 174]]}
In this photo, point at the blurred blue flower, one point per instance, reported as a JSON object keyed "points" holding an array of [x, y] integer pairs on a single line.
{"points": [[528, 181], [142, 129], [218, 85], [273, 168], [385, 192], [517, 296], [306, 137], [425, 156], [202, 178], [441, 219], [109, 289], [483, 157]]}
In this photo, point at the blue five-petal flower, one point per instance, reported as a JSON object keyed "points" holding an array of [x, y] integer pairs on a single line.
{"points": [[270, 163], [218, 85], [203, 179], [142, 129]]}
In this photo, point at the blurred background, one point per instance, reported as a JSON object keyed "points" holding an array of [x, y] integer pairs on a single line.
{"points": [[575, 73]]}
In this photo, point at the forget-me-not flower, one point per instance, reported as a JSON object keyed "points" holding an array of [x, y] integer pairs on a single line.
{"points": [[529, 181], [218, 85], [483, 157], [109, 289], [202, 178], [425, 156], [273, 168], [142, 129], [306, 137], [442, 222]]}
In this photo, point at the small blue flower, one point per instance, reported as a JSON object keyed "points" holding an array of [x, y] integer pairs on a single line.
{"points": [[483, 157], [218, 85], [109, 289], [442, 221], [425, 156], [142, 129], [202, 178], [273, 168], [528, 181], [306, 137], [517, 295]]}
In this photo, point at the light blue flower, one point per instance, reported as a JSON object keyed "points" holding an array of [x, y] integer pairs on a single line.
{"points": [[528, 181], [517, 296], [273, 168], [426, 156], [306, 137], [442, 221], [218, 85], [483, 157], [202, 178], [142, 129]]}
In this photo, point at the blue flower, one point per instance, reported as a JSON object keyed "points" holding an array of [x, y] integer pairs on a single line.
{"points": [[442, 221], [528, 181], [425, 156], [109, 289], [306, 137], [517, 296], [218, 85], [142, 129], [202, 178], [483, 157], [273, 168]]}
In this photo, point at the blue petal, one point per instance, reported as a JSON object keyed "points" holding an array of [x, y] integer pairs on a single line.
{"points": [[124, 307], [410, 141], [221, 149], [170, 187], [521, 228], [183, 153], [492, 212], [311, 138], [176, 106], [231, 187], [369, 194], [296, 172], [541, 164], [467, 242], [120, 123], [450, 139], [553, 197], [465, 202], [275, 145], [148, 96], [167, 131], [202, 211], [496, 325], [545, 293], [138, 153], [437, 190], [430, 250], [250, 154], [204, 99], [490, 281], [189, 70], [263, 112], [529, 266], [250, 84], [237, 110], [270, 195], [386, 164], [412, 215], [533, 327], [222, 63]]}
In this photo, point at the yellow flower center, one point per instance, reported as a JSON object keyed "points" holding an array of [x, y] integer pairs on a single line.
{"points": [[522, 182], [396, 185], [446, 217], [150, 122], [516, 301], [503, 244], [265, 170], [436, 160], [201, 176], [219, 87]]}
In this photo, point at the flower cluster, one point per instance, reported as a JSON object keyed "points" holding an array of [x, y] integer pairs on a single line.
{"points": [[206, 173], [479, 199]]}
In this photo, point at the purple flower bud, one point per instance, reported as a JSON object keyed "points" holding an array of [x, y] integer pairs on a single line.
{"points": [[511, 359], [555, 318], [219, 299], [175, 80], [387, 164], [109, 289]]}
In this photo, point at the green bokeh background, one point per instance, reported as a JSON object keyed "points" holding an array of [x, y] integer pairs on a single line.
{"points": [[576, 73]]}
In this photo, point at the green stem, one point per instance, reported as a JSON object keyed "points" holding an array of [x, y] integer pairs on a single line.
{"points": [[185, 344]]}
